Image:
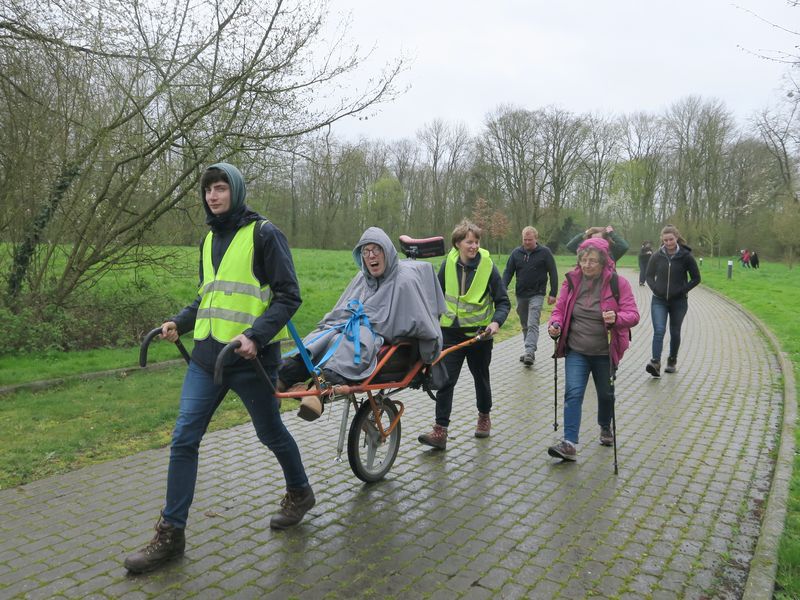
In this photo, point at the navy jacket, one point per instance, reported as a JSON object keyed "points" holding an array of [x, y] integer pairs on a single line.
{"points": [[272, 264], [532, 270]]}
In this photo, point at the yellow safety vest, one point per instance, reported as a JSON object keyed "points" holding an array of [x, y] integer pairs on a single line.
{"points": [[469, 309], [232, 298]]}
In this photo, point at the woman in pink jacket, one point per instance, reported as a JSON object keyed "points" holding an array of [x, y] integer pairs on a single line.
{"points": [[592, 319]]}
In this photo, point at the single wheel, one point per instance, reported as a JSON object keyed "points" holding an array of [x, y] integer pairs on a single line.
{"points": [[370, 458]]}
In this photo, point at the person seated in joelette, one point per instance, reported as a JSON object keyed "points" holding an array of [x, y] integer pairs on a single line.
{"points": [[387, 299]]}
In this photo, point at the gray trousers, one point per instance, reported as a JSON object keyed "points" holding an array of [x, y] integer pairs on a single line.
{"points": [[530, 311]]}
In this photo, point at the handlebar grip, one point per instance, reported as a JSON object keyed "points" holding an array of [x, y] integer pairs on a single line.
{"points": [[220, 364], [146, 344]]}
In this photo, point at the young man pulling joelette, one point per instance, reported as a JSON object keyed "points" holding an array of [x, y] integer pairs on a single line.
{"points": [[248, 292]]}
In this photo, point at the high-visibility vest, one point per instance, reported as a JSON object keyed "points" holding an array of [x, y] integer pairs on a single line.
{"points": [[232, 298], [470, 309]]}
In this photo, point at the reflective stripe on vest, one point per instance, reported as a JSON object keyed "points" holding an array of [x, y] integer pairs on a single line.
{"points": [[469, 309], [232, 298]]}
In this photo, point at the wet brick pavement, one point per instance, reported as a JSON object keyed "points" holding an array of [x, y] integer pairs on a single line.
{"points": [[491, 518]]}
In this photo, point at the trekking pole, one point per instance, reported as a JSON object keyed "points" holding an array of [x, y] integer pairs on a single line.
{"points": [[555, 385], [611, 378]]}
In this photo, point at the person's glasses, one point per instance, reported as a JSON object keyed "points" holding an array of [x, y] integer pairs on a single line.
{"points": [[589, 261], [376, 251]]}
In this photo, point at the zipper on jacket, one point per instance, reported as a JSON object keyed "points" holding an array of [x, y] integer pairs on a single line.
{"points": [[669, 274]]}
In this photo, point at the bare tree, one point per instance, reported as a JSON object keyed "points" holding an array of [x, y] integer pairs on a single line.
{"points": [[512, 147], [334, 185], [780, 130], [700, 134], [602, 145], [404, 163], [136, 98], [564, 137], [446, 150]]}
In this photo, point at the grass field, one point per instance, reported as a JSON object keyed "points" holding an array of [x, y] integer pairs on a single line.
{"points": [[83, 421], [88, 421], [772, 293]]}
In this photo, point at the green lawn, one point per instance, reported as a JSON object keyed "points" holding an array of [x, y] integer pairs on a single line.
{"points": [[88, 421], [772, 293], [84, 421]]}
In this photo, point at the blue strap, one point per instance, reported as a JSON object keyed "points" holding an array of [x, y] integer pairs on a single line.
{"points": [[301, 349], [349, 329]]}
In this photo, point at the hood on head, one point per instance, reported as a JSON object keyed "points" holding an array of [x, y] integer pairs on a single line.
{"points": [[601, 245], [376, 235], [238, 194]]}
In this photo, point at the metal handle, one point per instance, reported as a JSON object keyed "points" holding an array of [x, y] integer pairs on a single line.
{"points": [[146, 343], [219, 365]]}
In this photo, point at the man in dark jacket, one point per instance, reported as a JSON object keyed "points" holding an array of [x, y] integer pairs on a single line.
{"points": [[248, 291], [532, 264]]}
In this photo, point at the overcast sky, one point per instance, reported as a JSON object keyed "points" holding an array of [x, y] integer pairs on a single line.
{"points": [[467, 57]]}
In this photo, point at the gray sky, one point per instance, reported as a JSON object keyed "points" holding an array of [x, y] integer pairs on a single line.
{"points": [[602, 56]]}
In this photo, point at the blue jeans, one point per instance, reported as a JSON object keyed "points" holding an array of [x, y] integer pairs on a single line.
{"points": [[199, 399], [530, 311], [660, 309], [577, 367]]}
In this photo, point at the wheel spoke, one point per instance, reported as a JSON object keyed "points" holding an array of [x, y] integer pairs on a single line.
{"points": [[371, 456]]}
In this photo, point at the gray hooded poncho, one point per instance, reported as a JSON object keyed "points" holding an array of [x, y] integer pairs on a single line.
{"points": [[405, 302]]}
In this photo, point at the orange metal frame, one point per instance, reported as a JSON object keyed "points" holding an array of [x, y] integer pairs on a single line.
{"points": [[325, 390]]}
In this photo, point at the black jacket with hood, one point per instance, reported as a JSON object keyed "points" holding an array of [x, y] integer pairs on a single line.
{"points": [[272, 264], [671, 277], [532, 270]]}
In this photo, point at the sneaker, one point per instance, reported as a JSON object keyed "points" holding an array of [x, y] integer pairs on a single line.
{"points": [[437, 438], [672, 365], [606, 436], [484, 425], [564, 450], [311, 407], [654, 368], [295, 504], [168, 543], [527, 359]]}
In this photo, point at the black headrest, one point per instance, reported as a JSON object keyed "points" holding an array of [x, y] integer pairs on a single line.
{"points": [[422, 248]]}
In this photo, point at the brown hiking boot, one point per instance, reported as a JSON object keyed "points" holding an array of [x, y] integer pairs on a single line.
{"points": [[168, 543], [484, 425], [436, 438], [311, 407], [672, 365], [295, 504]]}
